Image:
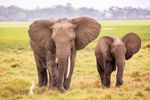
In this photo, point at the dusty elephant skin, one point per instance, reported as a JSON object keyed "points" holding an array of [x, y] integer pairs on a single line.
{"points": [[111, 52], [55, 43]]}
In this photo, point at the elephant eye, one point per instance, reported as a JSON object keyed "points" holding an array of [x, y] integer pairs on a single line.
{"points": [[71, 40]]}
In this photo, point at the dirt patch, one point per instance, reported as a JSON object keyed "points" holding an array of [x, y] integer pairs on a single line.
{"points": [[2, 73], [142, 79], [140, 74], [138, 79], [9, 60], [146, 46], [135, 74], [140, 94], [147, 89], [14, 65], [41, 90], [87, 81]]}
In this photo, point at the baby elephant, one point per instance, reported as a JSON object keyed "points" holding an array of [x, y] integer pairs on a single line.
{"points": [[111, 52]]}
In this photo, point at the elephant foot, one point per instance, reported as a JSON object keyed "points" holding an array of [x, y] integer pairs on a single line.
{"points": [[119, 83], [106, 84], [105, 87], [66, 85], [41, 84], [62, 90]]}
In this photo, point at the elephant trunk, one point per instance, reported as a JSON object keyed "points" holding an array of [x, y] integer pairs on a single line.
{"points": [[61, 71], [120, 69], [68, 65], [63, 64], [63, 53]]}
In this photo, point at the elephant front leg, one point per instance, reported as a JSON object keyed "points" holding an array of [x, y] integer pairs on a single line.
{"points": [[42, 73], [54, 75], [42, 77], [52, 79], [107, 75], [52, 70]]}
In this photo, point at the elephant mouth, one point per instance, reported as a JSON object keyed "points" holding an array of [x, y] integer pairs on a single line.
{"points": [[68, 66]]}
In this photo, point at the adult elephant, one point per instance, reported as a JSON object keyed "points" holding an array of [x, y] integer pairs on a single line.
{"points": [[55, 43]]}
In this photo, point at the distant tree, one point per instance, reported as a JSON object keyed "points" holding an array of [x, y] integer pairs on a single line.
{"points": [[2, 18], [13, 13]]}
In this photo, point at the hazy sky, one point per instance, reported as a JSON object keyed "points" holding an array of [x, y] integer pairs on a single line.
{"points": [[98, 4]]}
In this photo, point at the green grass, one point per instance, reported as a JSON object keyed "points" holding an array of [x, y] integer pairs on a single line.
{"points": [[17, 67]]}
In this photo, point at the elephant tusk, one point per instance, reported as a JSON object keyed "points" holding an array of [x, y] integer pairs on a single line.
{"points": [[68, 68], [56, 60]]}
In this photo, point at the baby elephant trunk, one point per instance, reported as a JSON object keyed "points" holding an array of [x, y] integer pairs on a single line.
{"points": [[120, 69]]}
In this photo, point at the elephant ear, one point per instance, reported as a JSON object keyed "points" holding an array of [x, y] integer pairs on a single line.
{"points": [[133, 44], [40, 30], [87, 29]]}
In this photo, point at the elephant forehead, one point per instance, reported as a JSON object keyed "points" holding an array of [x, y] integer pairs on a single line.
{"points": [[64, 30], [118, 42], [63, 25], [118, 45]]}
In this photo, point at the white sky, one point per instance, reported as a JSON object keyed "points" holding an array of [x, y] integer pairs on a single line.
{"points": [[98, 4]]}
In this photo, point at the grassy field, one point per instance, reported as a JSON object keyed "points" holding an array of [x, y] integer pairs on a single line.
{"points": [[17, 67]]}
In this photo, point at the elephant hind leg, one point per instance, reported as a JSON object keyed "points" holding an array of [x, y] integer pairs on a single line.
{"points": [[100, 71], [42, 72]]}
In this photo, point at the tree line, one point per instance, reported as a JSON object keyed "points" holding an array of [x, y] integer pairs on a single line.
{"points": [[13, 13]]}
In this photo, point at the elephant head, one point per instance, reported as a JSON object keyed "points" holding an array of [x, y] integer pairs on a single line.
{"points": [[123, 49], [63, 35]]}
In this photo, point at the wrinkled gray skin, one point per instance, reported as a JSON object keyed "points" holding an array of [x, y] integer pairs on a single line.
{"points": [[54, 41], [111, 52]]}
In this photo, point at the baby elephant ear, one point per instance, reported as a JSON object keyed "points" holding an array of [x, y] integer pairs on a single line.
{"points": [[87, 29], [133, 44]]}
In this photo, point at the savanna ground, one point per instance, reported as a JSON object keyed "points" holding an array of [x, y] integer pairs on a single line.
{"points": [[17, 67]]}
